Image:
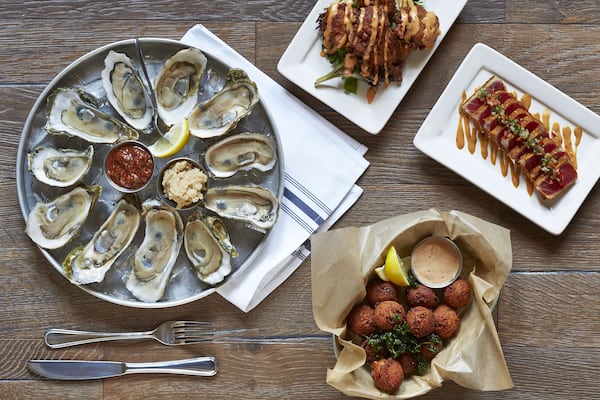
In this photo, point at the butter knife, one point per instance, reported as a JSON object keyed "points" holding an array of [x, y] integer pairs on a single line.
{"points": [[81, 370]]}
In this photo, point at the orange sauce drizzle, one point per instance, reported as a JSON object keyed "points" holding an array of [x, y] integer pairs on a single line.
{"points": [[467, 133], [460, 130], [525, 99]]}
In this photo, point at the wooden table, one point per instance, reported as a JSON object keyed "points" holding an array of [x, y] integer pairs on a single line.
{"points": [[547, 316]]}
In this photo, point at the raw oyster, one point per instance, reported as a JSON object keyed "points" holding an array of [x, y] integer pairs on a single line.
{"points": [[221, 113], [126, 91], [59, 167], [210, 261], [177, 84], [243, 151], [89, 263], [154, 259], [219, 230], [74, 112], [52, 225], [253, 204]]}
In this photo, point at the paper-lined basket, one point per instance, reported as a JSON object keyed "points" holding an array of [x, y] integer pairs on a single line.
{"points": [[344, 260]]}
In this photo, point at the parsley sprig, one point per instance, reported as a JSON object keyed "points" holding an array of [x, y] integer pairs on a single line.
{"points": [[350, 82], [399, 341]]}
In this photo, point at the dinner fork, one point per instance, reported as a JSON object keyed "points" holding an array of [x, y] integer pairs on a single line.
{"points": [[170, 333]]}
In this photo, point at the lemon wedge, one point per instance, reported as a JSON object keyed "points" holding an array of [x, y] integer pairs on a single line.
{"points": [[174, 140], [395, 269]]}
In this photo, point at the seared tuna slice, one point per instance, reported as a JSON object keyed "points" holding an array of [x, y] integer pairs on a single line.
{"points": [[510, 126]]}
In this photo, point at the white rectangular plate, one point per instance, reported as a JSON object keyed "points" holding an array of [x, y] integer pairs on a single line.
{"points": [[437, 138], [302, 64]]}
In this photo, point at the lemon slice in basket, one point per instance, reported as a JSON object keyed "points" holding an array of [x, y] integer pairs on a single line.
{"points": [[174, 140], [395, 269]]}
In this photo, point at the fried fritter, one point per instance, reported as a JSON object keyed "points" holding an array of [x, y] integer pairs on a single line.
{"points": [[373, 353], [420, 321], [387, 374], [430, 350], [447, 321], [408, 361], [361, 320], [378, 291], [458, 294], [422, 296], [388, 314]]}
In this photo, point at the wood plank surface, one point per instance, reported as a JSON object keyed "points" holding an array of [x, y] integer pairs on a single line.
{"points": [[547, 317]]}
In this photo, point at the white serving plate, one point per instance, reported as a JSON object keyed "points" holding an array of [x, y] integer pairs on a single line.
{"points": [[302, 64], [437, 136]]}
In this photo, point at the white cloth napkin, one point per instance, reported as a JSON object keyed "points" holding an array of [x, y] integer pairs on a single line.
{"points": [[322, 165]]}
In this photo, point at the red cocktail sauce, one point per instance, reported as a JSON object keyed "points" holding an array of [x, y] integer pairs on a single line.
{"points": [[129, 166]]}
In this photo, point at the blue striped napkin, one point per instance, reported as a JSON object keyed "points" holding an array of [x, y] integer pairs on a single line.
{"points": [[322, 165]]}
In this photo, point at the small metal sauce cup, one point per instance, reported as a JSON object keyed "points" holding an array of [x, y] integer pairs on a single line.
{"points": [[118, 147], [436, 262], [160, 188]]}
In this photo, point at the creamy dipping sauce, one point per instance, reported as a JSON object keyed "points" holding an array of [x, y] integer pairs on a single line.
{"points": [[436, 261]]}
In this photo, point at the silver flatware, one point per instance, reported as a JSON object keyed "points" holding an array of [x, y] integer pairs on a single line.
{"points": [[157, 123], [170, 333], [82, 370]]}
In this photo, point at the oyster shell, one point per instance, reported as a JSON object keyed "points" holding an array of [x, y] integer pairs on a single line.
{"points": [[59, 167], [89, 263], [219, 230], [125, 90], [221, 113], [52, 225], [177, 84], [210, 261], [154, 259], [244, 151], [74, 112], [253, 204]]}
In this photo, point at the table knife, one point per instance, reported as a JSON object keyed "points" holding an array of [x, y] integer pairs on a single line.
{"points": [[81, 370]]}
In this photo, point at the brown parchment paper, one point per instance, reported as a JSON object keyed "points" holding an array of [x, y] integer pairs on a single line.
{"points": [[343, 261]]}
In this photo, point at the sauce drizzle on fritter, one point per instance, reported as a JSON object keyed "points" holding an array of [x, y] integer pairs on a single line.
{"points": [[368, 40]]}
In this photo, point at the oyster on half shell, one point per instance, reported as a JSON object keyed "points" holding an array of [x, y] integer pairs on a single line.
{"points": [[253, 204], [219, 230], [221, 113], [89, 263], [177, 84], [240, 152], [59, 167], [209, 259], [52, 225], [74, 112], [125, 90], [154, 259]]}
